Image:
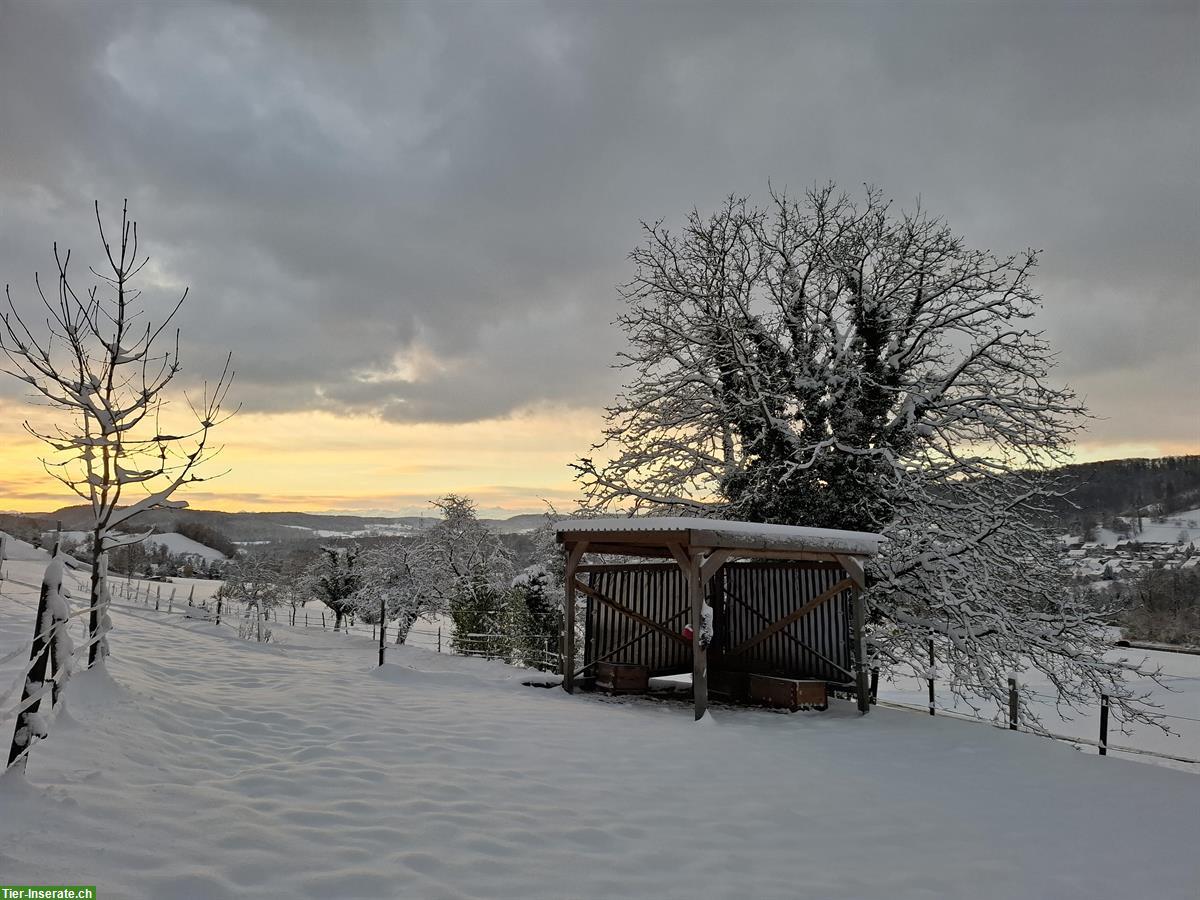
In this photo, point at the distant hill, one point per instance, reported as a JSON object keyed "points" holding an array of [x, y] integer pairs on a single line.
{"points": [[246, 527], [1103, 491]]}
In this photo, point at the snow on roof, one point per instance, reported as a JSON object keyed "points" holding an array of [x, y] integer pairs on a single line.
{"points": [[737, 534]]}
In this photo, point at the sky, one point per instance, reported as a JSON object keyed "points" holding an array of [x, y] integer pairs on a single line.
{"points": [[408, 221]]}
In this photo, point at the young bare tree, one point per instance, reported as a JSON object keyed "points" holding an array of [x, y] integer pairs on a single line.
{"points": [[838, 363], [105, 367]]}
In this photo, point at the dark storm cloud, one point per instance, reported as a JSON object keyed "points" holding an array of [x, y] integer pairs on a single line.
{"points": [[421, 210]]}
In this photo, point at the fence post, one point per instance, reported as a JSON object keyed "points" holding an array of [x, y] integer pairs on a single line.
{"points": [[439, 639], [874, 690], [322, 619], [382, 628], [3, 556], [306, 618], [932, 661], [1012, 704], [158, 597], [1104, 724]]}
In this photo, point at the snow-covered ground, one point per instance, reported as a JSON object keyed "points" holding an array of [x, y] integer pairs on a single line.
{"points": [[176, 544], [182, 545], [1177, 528], [201, 766]]}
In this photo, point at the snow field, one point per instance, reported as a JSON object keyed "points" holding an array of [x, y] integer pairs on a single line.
{"points": [[201, 766]]}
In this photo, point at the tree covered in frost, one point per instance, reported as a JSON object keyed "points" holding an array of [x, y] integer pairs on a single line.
{"points": [[334, 578], [392, 577], [538, 591], [836, 362], [105, 367], [467, 570], [256, 582]]}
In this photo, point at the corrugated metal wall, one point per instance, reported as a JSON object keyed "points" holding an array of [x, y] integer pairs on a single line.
{"points": [[746, 597]]}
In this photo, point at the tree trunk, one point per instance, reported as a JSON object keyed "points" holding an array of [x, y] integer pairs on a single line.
{"points": [[404, 624], [337, 619]]}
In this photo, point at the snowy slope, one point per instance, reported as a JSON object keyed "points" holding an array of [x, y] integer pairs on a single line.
{"points": [[205, 767], [180, 545], [1169, 531]]}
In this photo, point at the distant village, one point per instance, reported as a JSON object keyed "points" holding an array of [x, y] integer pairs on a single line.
{"points": [[1130, 547]]}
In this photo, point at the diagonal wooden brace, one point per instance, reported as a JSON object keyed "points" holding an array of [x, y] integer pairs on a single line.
{"points": [[626, 611], [844, 585]]}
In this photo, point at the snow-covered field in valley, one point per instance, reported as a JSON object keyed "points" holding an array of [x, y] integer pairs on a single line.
{"points": [[201, 766]]}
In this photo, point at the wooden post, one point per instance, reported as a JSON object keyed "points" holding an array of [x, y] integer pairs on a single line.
{"points": [[322, 618], [574, 554], [874, 684], [932, 663], [158, 596], [699, 646], [863, 692], [306, 618], [39, 665], [382, 629], [439, 639], [3, 556], [1104, 724], [1012, 704]]}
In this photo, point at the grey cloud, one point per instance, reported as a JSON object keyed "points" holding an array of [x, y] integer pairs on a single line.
{"points": [[343, 184]]}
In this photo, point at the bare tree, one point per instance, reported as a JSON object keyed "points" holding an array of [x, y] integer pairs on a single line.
{"points": [[838, 363], [105, 367]]}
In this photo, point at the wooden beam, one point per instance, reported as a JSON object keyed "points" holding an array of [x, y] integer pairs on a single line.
{"points": [[794, 615], [626, 611], [641, 636], [682, 557], [574, 554], [712, 564], [729, 595], [854, 568]]}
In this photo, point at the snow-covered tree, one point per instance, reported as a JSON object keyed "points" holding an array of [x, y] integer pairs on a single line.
{"points": [[104, 370], [538, 591], [389, 578], [836, 362], [334, 579], [256, 582], [465, 569]]}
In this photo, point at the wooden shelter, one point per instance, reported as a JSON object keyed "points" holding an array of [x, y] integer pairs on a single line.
{"points": [[782, 600]]}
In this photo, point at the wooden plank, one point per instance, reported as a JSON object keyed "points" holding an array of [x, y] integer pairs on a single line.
{"points": [[626, 611], [844, 584]]}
